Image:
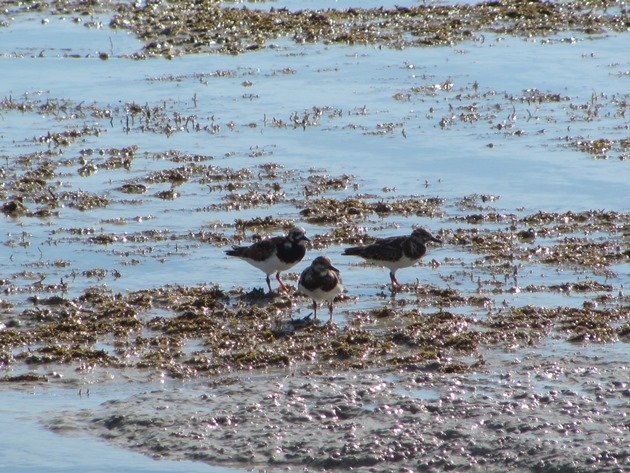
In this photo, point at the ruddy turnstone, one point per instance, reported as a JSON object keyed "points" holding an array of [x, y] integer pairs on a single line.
{"points": [[321, 282], [395, 252], [275, 254]]}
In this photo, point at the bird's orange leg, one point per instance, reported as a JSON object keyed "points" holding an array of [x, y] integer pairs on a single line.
{"points": [[395, 282], [283, 288]]}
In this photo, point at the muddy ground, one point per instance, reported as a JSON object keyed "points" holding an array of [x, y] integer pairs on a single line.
{"points": [[449, 375], [530, 411]]}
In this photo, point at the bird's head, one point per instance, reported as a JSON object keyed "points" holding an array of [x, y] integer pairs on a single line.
{"points": [[322, 264], [297, 235], [424, 236]]}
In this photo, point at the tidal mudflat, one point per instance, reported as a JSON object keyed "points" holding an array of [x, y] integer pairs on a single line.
{"points": [[140, 141]]}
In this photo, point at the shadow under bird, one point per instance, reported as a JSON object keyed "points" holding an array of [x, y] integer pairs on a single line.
{"points": [[321, 281], [395, 253], [273, 255]]}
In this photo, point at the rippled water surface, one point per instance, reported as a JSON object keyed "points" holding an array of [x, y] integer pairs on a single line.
{"points": [[498, 117]]}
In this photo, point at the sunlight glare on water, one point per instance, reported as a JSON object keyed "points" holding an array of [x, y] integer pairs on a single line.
{"points": [[393, 120]]}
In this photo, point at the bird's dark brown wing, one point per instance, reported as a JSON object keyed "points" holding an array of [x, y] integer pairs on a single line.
{"points": [[291, 252], [306, 279], [413, 249], [313, 280], [382, 249], [330, 281], [259, 251]]}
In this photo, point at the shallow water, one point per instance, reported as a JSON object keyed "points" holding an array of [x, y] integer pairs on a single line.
{"points": [[398, 122], [28, 446]]}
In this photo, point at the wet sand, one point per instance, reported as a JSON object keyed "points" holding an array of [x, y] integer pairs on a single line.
{"points": [[506, 348], [522, 411]]}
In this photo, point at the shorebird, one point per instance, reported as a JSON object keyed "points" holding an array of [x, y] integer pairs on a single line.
{"points": [[273, 255], [395, 252], [321, 282]]}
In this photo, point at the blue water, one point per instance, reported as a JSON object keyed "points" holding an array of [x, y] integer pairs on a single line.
{"points": [[26, 445], [533, 170]]}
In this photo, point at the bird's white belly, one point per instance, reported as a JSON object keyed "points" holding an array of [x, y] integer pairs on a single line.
{"points": [[320, 295], [270, 265], [403, 262]]}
